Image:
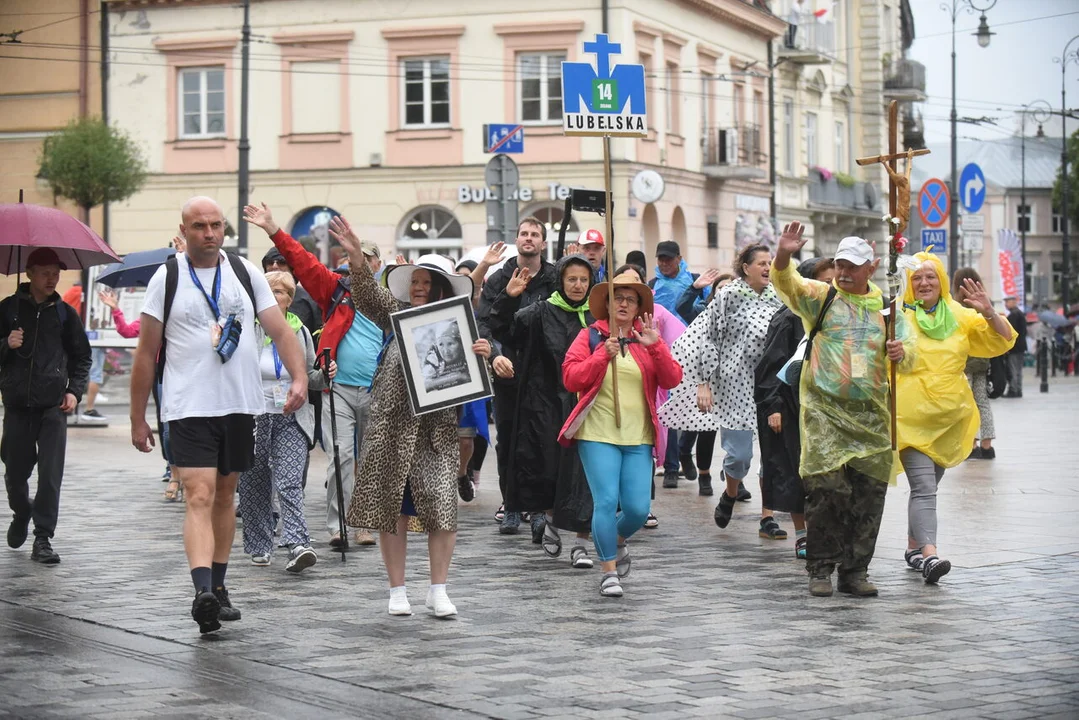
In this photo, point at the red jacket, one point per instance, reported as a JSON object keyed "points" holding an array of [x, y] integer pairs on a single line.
{"points": [[583, 372], [320, 282]]}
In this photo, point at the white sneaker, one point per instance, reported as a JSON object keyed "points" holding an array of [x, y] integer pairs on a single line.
{"points": [[399, 604], [300, 558], [261, 560], [439, 602]]}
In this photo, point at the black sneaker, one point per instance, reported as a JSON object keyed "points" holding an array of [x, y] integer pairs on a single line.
{"points": [[933, 569], [724, 510], [689, 470], [975, 454], [704, 485], [989, 453], [43, 552], [17, 532], [227, 613], [743, 494], [539, 524], [511, 524], [466, 489], [205, 610], [670, 478]]}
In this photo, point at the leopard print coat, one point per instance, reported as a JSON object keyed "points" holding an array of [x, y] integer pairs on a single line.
{"points": [[397, 446]]}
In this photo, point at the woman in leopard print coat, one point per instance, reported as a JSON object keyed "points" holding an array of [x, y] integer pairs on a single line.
{"points": [[407, 469]]}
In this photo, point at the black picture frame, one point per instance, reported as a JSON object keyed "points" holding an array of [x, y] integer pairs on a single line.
{"points": [[435, 343]]}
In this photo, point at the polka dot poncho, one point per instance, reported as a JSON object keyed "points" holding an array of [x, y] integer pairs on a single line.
{"points": [[722, 347]]}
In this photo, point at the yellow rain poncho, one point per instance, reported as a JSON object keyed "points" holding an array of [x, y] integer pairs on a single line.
{"points": [[844, 389], [935, 406]]}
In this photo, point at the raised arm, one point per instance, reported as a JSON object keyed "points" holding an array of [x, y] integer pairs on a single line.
{"points": [[375, 302], [318, 280]]}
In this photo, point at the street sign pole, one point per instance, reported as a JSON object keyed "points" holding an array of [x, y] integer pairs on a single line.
{"points": [[502, 178]]}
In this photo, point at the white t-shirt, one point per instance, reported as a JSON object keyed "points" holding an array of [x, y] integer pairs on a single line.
{"points": [[268, 372], [196, 382]]}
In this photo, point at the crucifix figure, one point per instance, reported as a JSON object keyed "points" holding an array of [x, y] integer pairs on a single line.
{"points": [[899, 208]]}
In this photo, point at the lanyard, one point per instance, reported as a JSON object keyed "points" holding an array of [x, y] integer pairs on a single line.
{"points": [[211, 299], [277, 364]]}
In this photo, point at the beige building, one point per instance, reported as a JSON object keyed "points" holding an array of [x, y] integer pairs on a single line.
{"points": [[50, 76], [839, 66], [375, 110]]}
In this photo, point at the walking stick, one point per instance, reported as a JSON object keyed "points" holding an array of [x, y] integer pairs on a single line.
{"points": [[567, 212], [324, 362]]}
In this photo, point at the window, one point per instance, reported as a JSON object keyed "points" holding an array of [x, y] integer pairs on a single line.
{"points": [[427, 92], [1058, 221], [788, 136], [671, 82], [713, 233], [316, 96], [1024, 217], [811, 139], [1058, 275], [840, 151], [202, 102], [1028, 279], [649, 83], [706, 103], [540, 89], [432, 229]]}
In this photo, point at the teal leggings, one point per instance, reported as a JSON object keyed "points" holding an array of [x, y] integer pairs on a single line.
{"points": [[619, 476]]}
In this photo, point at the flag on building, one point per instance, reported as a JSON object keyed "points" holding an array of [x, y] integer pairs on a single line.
{"points": [[1010, 262]]}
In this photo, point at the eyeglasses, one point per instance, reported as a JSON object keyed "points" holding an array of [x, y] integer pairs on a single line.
{"points": [[625, 300]]}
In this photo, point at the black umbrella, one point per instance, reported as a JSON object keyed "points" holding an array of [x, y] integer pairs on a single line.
{"points": [[136, 269]]}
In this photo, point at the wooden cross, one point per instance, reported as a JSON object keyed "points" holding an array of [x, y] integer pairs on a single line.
{"points": [[898, 207]]}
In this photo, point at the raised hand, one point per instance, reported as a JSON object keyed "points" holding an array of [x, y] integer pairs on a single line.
{"points": [[977, 298], [648, 335], [400, 260], [791, 240], [573, 249], [342, 232], [108, 298], [179, 243], [518, 282], [494, 254], [706, 279], [260, 216]]}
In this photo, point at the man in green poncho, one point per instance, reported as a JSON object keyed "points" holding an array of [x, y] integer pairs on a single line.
{"points": [[847, 458]]}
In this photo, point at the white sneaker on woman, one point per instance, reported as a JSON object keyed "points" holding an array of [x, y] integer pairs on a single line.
{"points": [[399, 603], [439, 602]]}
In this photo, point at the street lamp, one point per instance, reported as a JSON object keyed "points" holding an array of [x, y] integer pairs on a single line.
{"points": [[1040, 115], [1065, 268], [984, 36]]}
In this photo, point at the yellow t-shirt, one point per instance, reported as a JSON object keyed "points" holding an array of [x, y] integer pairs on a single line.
{"points": [[599, 425]]}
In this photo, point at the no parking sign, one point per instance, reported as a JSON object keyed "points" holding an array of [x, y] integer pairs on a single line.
{"points": [[934, 203]]}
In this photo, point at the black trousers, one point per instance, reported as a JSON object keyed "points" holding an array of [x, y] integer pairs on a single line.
{"points": [[505, 409], [34, 436]]}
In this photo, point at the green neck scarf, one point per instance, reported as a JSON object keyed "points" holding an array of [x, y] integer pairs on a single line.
{"points": [[561, 303], [872, 301], [938, 322], [293, 322]]}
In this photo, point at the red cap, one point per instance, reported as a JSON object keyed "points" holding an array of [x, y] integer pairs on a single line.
{"points": [[590, 237], [44, 256]]}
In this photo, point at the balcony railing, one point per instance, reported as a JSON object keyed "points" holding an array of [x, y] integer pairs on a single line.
{"points": [[860, 197], [905, 81], [808, 40], [739, 146]]}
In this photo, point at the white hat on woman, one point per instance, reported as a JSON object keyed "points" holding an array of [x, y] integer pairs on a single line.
{"points": [[399, 277]]}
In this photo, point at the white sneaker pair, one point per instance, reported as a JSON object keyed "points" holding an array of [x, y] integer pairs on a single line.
{"points": [[437, 601]]}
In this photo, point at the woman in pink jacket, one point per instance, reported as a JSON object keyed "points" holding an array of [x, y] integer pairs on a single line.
{"points": [[617, 453]]}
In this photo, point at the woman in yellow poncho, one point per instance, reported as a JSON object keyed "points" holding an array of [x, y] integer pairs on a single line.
{"points": [[937, 417]]}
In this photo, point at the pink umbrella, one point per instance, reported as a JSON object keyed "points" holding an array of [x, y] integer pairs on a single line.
{"points": [[25, 227]]}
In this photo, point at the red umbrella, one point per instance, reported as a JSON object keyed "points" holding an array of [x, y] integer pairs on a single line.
{"points": [[25, 227]]}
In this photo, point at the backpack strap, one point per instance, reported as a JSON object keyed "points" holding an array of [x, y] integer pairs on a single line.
{"points": [[595, 339], [342, 293], [243, 276], [820, 319], [172, 278]]}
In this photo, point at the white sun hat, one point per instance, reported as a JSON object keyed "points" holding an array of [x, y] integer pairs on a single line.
{"points": [[399, 277]]}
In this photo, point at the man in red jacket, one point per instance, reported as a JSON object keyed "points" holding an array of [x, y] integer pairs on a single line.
{"points": [[354, 343]]}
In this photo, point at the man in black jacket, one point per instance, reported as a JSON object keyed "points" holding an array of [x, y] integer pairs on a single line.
{"points": [[1018, 320], [542, 280], [44, 370]]}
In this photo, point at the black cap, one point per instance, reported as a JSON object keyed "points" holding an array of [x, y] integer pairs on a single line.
{"points": [[668, 248], [273, 255], [636, 257], [469, 264]]}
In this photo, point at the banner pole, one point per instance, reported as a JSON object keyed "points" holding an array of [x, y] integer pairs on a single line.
{"points": [[610, 269]]}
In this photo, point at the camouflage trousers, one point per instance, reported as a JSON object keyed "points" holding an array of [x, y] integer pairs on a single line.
{"points": [[843, 510]]}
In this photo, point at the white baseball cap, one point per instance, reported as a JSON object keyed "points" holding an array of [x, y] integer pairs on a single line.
{"points": [[854, 250], [590, 237]]}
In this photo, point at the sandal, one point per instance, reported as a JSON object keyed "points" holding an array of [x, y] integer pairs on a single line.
{"points": [[800, 548], [651, 522], [552, 541], [500, 515], [770, 529], [578, 556], [174, 491]]}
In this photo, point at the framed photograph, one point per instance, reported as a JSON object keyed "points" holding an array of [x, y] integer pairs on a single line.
{"points": [[435, 341]]}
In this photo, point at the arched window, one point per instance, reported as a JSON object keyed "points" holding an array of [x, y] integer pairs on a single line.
{"points": [[551, 216], [314, 223], [430, 229]]}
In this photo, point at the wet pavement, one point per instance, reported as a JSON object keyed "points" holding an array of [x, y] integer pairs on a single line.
{"points": [[714, 623]]}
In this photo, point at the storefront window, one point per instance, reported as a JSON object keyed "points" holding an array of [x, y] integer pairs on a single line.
{"points": [[431, 229], [551, 217]]}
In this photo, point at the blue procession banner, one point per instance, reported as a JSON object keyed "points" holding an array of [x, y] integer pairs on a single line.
{"points": [[603, 100]]}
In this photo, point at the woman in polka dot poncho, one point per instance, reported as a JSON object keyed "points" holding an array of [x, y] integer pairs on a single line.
{"points": [[719, 353]]}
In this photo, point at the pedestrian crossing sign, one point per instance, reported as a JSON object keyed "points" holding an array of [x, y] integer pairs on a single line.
{"points": [[603, 100]]}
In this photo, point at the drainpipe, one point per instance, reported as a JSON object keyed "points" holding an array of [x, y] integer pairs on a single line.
{"points": [[104, 11], [772, 132]]}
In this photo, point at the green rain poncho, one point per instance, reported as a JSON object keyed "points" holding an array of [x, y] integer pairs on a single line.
{"points": [[844, 389]]}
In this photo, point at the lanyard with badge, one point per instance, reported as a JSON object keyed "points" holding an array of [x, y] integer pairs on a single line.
{"points": [[224, 331], [280, 388]]}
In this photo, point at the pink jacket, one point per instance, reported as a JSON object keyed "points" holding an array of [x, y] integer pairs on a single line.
{"points": [[583, 372], [670, 328], [126, 329]]}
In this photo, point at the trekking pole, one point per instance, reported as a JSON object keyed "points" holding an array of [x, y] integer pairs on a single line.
{"points": [[324, 361]]}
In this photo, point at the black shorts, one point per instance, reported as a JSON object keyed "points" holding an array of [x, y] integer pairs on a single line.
{"points": [[226, 443]]}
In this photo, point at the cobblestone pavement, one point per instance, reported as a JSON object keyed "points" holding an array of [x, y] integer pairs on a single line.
{"points": [[714, 623]]}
